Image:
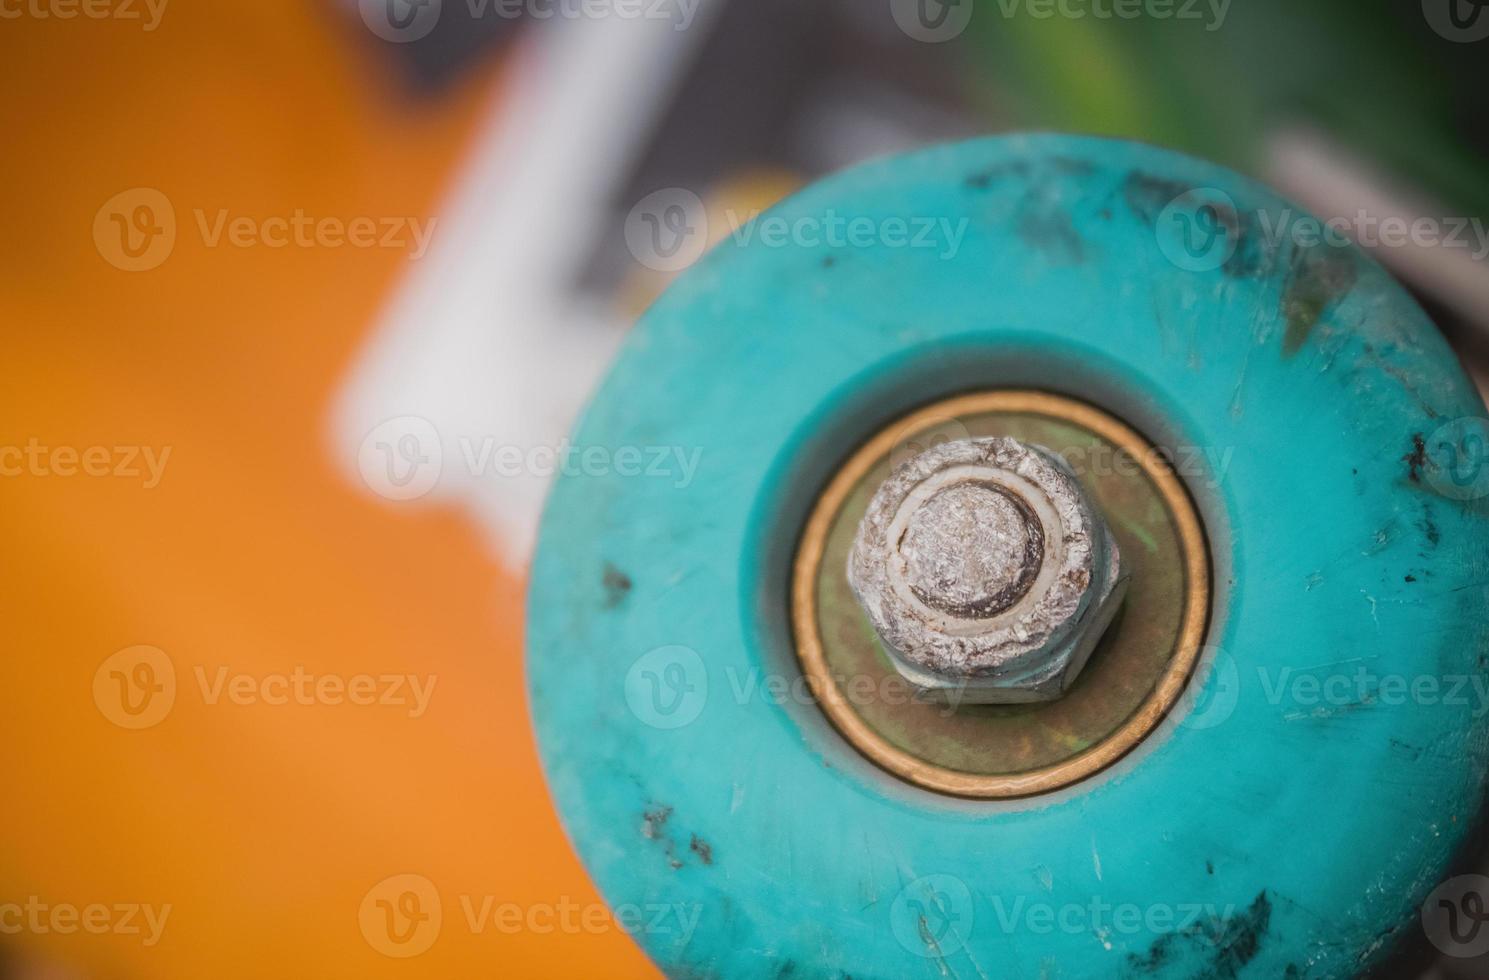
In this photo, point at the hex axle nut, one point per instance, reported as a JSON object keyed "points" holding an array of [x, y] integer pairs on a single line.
{"points": [[986, 572]]}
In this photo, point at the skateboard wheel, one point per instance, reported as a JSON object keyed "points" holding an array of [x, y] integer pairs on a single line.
{"points": [[1277, 749]]}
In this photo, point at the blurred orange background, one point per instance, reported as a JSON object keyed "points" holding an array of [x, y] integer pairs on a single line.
{"points": [[263, 827]]}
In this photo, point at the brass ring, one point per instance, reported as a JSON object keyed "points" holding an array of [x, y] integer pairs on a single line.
{"points": [[1165, 692]]}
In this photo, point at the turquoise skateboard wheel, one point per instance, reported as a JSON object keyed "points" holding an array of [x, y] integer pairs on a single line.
{"points": [[1295, 809]]}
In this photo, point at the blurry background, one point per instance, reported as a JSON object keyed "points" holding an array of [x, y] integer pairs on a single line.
{"points": [[300, 298]]}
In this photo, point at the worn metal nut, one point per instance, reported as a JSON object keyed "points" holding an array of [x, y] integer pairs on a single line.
{"points": [[986, 572]]}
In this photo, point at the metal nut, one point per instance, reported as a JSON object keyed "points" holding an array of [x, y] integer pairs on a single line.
{"points": [[986, 572]]}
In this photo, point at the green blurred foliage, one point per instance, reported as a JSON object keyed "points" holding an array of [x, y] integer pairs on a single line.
{"points": [[1371, 74]]}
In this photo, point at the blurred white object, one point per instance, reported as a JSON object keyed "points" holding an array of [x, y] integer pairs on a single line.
{"points": [[487, 344], [1447, 263]]}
